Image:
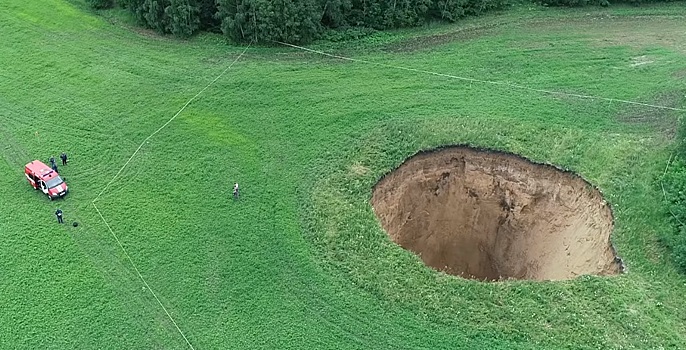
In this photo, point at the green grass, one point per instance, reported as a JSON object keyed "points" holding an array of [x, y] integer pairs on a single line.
{"points": [[301, 262]]}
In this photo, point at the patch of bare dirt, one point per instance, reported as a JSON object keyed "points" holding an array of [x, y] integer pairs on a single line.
{"points": [[358, 169], [680, 73], [640, 32], [430, 41], [489, 215], [641, 60], [661, 120]]}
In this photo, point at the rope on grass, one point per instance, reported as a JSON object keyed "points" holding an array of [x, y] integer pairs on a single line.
{"points": [[169, 121], [474, 80], [141, 277], [128, 257]]}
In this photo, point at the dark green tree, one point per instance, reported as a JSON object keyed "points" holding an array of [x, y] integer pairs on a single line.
{"points": [[153, 14], [449, 10], [270, 20], [478, 7], [209, 21], [238, 18], [405, 13], [182, 17], [137, 8], [336, 13]]}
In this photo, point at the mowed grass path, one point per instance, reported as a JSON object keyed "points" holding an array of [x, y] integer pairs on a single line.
{"points": [[300, 262]]}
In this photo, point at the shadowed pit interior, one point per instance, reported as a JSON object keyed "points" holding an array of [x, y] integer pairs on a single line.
{"points": [[489, 215]]}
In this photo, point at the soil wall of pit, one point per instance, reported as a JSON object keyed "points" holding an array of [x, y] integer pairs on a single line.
{"points": [[490, 215]]}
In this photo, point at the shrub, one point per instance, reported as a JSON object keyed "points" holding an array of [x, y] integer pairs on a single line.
{"points": [[100, 4], [347, 33], [674, 184]]}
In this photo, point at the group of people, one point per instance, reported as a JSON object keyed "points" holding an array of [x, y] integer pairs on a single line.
{"points": [[63, 156], [53, 165]]}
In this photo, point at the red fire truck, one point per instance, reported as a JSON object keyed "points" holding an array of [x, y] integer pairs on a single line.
{"points": [[41, 177]]}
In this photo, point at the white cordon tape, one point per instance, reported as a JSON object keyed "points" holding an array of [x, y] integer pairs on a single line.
{"points": [[127, 163], [141, 277], [473, 80], [169, 121]]}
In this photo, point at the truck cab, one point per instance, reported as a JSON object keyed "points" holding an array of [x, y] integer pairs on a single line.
{"points": [[42, 177]]}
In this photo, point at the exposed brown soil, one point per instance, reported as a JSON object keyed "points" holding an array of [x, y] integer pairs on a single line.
{"points": [[660, 120], [431, 41], [601, 29], [490, 215]]}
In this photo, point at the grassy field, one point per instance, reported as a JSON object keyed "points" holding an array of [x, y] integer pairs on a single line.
{"points": [[300, 262]]}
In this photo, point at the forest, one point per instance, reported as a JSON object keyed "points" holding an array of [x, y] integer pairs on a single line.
{"points": [[289, 21]]}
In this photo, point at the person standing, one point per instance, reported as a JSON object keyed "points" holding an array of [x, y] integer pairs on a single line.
{"points": [[54, 167], [235, 191], [63, 156], [52, 162], [58, 213]]}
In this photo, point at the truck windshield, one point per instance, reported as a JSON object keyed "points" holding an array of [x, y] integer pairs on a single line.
{"points": [[54, 182]]}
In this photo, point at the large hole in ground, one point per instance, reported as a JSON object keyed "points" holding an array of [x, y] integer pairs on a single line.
{"points": [[489, 215]]}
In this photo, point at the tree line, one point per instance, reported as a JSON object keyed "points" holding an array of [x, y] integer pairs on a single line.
{"points": [[300, 21], [293, 21]]}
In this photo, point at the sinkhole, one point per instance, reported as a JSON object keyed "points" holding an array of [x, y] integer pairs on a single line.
{"points": [[491, 216]]}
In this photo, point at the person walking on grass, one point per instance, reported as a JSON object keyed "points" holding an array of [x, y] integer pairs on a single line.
{"points": [[58, 213], [235, 191], [52, 162], [63, 156]]}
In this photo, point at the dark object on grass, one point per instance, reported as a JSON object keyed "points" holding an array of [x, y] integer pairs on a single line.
{"points": [[63, 156], [75, 224]]}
